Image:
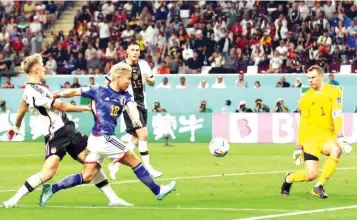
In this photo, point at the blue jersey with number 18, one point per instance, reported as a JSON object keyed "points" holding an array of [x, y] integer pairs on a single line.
{"points": [[107, 105]]}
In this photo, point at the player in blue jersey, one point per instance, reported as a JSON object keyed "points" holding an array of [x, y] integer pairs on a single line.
{"points": [[108, 103]]}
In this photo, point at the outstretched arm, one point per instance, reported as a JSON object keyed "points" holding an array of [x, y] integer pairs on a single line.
{"points": [[66, 107], [68, 93]]}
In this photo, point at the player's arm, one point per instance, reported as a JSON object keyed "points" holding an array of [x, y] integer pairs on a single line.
{"points": [[302, 130], [148, 76], [19, 117], [68, 93], [133, 113], [338, 120], [337, 112], [21, 113], [66, 107]]}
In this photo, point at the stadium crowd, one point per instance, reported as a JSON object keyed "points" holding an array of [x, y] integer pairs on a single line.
{"points": [[184, 36]]}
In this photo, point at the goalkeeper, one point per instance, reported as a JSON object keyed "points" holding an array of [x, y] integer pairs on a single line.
{"points": [[320, 131]]}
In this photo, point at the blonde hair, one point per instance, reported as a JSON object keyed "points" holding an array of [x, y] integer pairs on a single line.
{"points": [[118, 69], [317, 68], [29, 61]]}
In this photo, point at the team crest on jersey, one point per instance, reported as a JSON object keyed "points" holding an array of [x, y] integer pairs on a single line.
{"points": [[135, 76], [339, 100], [53, 150]]}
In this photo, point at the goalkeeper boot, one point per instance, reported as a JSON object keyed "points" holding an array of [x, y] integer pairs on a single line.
{"points": [[319, 191], [285, 188]]}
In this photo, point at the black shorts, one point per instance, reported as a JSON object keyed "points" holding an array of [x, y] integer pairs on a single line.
{"points": [[66, 140], [143, 113]]}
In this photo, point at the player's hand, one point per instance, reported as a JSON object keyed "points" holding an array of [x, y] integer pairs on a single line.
{"points": [[12, 132], [298, 155], [344, 145], [145, 76], [56, 94]]}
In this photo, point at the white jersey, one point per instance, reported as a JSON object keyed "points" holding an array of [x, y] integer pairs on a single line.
{"points": [[137, 86], [40, 100]]}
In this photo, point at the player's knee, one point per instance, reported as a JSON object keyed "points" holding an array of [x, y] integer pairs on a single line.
{"points": [[311, 176], [88, 176], [336, 152]]}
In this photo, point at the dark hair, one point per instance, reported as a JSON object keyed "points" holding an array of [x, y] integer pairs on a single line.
{"points": [[228, 102], [259, 100]]}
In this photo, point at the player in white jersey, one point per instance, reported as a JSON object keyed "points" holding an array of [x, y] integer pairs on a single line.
{"points": [[141, 73], [60, 134]]}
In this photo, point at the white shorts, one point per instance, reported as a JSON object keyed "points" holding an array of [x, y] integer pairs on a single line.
{"points": [[101, 147]]}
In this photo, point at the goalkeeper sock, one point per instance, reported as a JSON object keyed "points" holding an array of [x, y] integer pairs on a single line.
{"points": [[142, 173], [298, 176], [68, 182], [32, 183], [329, 166]]}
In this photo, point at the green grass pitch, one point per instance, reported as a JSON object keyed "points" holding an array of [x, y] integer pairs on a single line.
{"points": [[244, 184]]}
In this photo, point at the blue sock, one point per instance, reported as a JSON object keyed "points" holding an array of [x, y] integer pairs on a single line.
{"points": [[68, 182], [144, 176]]}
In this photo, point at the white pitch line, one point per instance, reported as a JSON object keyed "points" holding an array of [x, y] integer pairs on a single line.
{"points": [[193, 177], [21, 155], [299, 213], [163, 208]]}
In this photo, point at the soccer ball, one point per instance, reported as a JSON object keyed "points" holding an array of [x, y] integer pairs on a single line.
{"points": [[219, 147]]}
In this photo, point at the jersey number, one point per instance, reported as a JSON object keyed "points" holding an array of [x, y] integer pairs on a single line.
{"points": [[137, 85], [322, 111], [115, 110]]}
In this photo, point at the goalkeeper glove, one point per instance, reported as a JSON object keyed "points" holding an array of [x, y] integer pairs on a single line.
{"points": [[297, 155], [344, 145], [13, 132]]}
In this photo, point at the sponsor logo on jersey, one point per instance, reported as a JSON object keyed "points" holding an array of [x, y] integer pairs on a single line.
{"points": [[53, 150], [339, 100]]}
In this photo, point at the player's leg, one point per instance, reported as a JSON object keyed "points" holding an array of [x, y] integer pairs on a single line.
{"points": [[312, 152], [333, 151], [142, 134], [144, 176], [48, 171], [114, 167], [78, 151], [101, 182]]}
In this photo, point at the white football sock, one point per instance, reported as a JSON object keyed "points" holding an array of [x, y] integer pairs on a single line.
{"points": [[100, 180], [131, 145], [143, 149], [32, 183]]}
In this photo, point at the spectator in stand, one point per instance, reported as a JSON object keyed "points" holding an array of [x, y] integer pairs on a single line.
{"points": [[69, 65], [75, 83], [66, 85], [195, 63], [91, 81], [219, 84], [241, 82], [8, 84], [242, 107], [257, 84], [283, 82], [332, 80], [80, 66], [182, 84], [51, 66], [257, 54], [202, 107], [275, 64], [297, 83], [260, 106], [203, 85], [165, 84]]}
